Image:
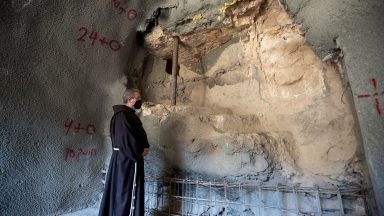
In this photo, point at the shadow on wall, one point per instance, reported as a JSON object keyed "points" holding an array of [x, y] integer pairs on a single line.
{"points": [[134, 61], [164, 161]]}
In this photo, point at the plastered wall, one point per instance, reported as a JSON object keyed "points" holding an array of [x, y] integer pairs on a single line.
{"points": [[62, 67]]}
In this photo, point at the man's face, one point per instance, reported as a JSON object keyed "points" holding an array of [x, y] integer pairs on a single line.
{"points": [[135, 101], [136, 97]]}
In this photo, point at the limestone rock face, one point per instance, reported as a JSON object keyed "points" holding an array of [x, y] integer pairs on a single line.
{"points": [[264, 105], [211, 143], [201, 31]]}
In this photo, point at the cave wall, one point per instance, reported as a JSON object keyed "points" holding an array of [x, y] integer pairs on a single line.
{"points": [[51, 81], [347, 34], [355, 27], [277, 112]]}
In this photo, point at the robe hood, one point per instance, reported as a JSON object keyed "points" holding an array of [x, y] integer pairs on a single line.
{"points": [[120, 108]]}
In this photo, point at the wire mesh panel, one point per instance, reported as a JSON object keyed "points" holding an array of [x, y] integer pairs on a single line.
{"points": [[175, 196]]}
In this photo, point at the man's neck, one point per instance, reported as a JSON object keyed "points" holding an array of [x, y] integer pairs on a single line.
{"points": [[130, 106]]}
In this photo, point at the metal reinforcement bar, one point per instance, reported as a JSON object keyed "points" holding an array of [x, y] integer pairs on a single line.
{"points": [[177, 196], [175, 63]]}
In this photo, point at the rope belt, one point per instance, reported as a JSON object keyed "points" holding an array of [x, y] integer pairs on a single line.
{"points": [[133, 197]]}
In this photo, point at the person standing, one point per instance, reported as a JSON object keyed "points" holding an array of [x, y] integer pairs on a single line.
{"points": [[124, 186]]}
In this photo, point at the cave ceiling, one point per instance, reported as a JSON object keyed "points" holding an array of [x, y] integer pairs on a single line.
{"points": [[203, 30]]}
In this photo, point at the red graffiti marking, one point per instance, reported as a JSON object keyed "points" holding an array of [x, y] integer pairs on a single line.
{"points": [[67, 124], [93, 36], [131, 13], [363, 96], [78, 128], [90, 129], [212, 148], [122, 9], [113, 44], [71, 153], [103, 41], [81, 38], [116, 47], [374, 83], [377, 106], [375, 95]]}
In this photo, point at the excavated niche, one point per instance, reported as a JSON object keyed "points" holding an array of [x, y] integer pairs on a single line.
{"points": [[203, 31], [263, 83]]}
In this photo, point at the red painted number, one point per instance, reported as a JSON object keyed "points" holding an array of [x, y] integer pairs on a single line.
{"points": [[70, 154], [113, 44], [115, 47], [80, 150], [67, 124], [91, 129], [81, 38], [132, 14], [93, 36]]}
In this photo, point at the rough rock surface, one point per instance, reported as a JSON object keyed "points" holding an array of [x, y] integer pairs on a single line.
{"points": [[271, 86], [199, 140], [47, 76], [203, 30]]}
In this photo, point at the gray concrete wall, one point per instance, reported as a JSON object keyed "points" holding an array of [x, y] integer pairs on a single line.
{"points": [[357, 27], [51, 80]]}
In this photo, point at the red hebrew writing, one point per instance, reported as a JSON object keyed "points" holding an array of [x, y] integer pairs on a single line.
{"points": [[78, 128], [76, 154], [95, 38], [122, 9], [375, 96]]}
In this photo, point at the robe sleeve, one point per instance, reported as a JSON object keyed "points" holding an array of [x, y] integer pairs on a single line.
{"points": [[125, 139]]}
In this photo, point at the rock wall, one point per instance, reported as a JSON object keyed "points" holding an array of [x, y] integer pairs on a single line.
{"points": [[276, 111], [58, 80], [355, 28]]}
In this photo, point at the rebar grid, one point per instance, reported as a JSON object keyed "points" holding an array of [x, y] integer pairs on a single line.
{"points": [[176, 196]]}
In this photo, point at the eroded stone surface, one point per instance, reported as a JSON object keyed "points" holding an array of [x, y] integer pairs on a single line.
{"points": [[201, 141], [270, 84], [203, 30]]}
